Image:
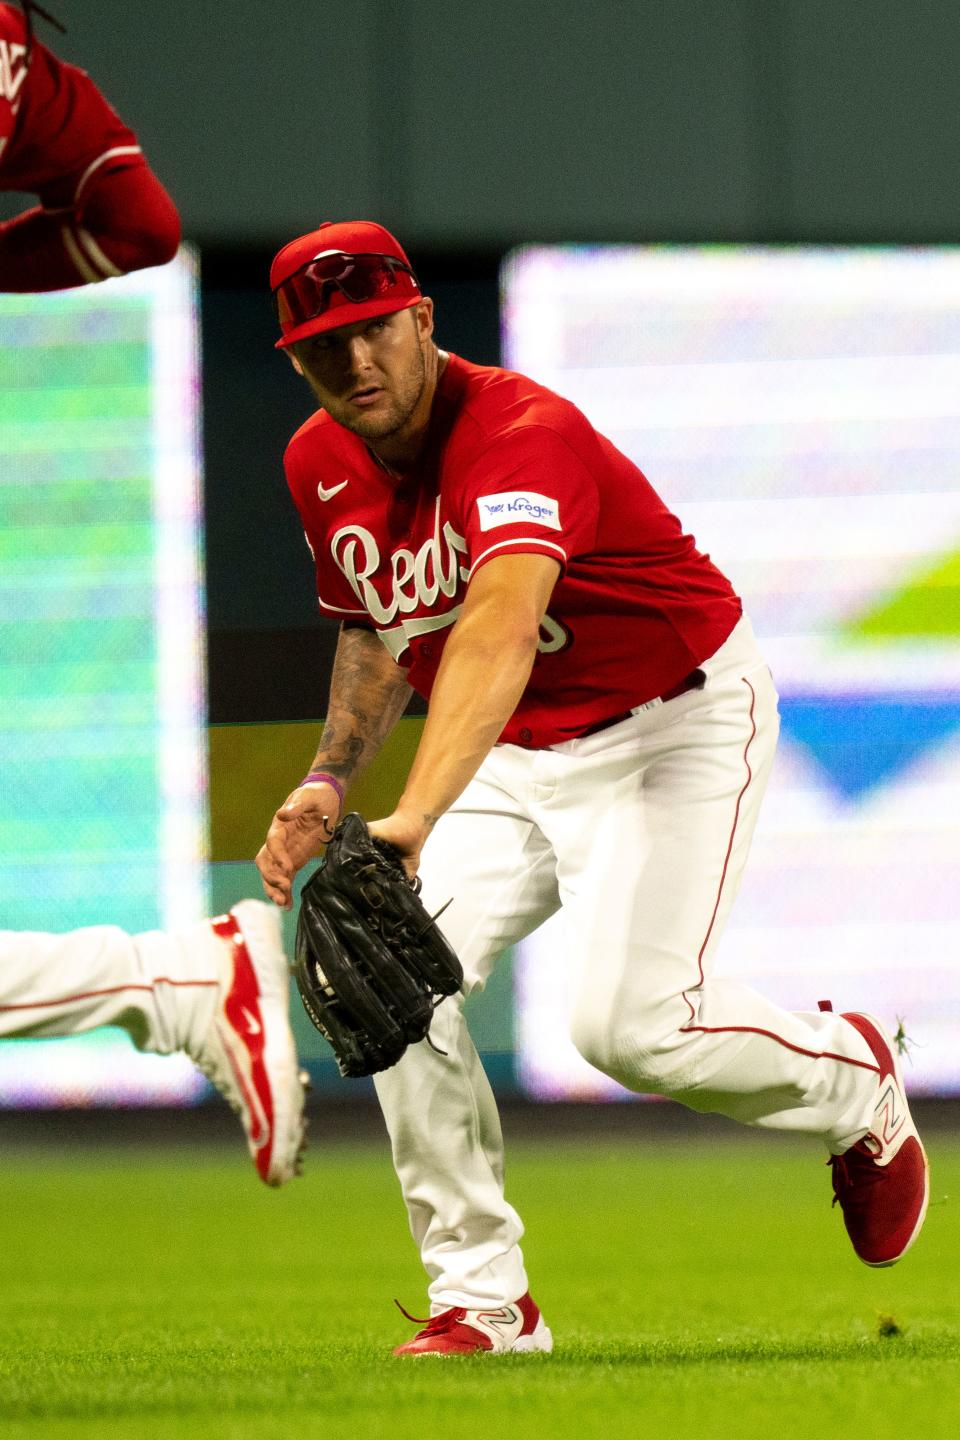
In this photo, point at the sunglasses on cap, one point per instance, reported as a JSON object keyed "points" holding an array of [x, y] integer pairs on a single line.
{"points": [[309, 292]]}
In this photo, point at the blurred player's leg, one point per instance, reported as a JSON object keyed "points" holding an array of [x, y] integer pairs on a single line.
{"points": [[218, 990]]}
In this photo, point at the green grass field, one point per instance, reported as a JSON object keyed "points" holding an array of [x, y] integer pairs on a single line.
{"points": [[704, 1292]]}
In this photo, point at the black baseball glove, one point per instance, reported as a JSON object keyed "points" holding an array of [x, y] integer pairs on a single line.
{"points": [[371, 964]]}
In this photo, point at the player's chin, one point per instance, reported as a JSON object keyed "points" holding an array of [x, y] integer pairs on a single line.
{"points": [[373, 422], [369, 427]]}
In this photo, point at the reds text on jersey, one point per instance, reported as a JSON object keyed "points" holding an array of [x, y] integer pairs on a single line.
{"points": [[511, 467]]}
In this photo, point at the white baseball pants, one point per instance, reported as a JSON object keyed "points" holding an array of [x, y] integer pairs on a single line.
{"points": [[161, 988], [639, 834]]}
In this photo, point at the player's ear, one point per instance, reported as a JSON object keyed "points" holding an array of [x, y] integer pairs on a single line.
{"points": [[424, 318], [294, 361]]}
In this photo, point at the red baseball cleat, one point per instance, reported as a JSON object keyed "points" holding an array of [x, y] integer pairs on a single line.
{"points": [[518, 1327], [248, 1051], [882, 1183]]}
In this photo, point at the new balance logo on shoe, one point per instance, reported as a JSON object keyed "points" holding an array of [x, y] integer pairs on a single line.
{"points": [[890, 1115], [503, 1319]]}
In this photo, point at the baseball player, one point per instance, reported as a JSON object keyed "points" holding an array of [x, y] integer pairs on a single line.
{"points": [[599, 732], [219, 991], [102, 211]]}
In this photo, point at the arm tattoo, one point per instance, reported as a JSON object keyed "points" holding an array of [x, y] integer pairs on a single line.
{"points": [[368, 694]]}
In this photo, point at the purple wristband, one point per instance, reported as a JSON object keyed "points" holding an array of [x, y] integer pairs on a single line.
{"points": [[320, 777]]}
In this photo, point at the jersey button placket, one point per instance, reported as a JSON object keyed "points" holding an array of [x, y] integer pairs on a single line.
{"points": [[526, 735]]}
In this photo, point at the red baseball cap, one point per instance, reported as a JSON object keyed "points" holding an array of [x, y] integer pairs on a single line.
{"points": [[347, 270]]}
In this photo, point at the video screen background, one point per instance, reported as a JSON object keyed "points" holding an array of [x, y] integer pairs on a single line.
{"points": [[800, 410], [102, 704]]}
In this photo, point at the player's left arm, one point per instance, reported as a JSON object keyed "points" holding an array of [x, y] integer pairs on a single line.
{"points": [[485, 667]]}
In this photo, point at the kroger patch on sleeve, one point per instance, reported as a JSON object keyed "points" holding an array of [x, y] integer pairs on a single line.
{"points": [[517, 507]]}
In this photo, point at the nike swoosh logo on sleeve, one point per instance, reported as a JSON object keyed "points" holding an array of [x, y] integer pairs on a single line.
{"points": [[334, 490]]}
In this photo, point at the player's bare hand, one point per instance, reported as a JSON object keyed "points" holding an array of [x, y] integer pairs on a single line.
{"points": [[405, 833], [300, 829]]}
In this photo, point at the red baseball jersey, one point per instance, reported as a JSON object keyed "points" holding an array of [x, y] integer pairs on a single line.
{"points": [[56, 129], [511, 467]]}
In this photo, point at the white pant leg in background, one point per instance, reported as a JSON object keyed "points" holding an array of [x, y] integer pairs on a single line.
{"points": [[160, 988], [439, 1109], [645, 828]]}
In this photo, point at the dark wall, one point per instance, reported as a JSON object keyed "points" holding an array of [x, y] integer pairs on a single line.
{"points": [[481, 125]]}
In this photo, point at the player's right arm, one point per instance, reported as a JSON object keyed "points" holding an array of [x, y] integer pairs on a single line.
{"points": [[368, 694], [103, 212]]}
